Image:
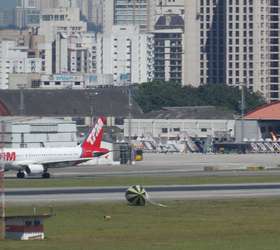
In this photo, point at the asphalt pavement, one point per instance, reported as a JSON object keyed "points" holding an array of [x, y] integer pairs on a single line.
{"points": [[157, 165], [170, 192]]}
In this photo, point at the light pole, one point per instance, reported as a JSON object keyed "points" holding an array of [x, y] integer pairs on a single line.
{"points": [[91, 97], [242, 110], [3, 205], [125, 79]]}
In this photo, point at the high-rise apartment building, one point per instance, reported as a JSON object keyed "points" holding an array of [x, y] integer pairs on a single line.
{"points": [[7, 18], [48, 4], [27, 13], [135, 12], [126, 53], [107, 15], [28, 4], [51, 4], [75, 53], [16, 59], [168, 7], [233, 42], [168, 48], [95, 12], [204, 42], [64, 20]]}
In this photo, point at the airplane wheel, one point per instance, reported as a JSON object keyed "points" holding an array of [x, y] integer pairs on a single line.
{"points": [[20, 175], [46, 175]]}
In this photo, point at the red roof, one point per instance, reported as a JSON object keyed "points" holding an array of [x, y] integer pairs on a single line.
{"points": [[269, 111]]}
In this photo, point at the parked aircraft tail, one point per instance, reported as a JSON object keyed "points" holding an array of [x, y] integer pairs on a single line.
{"points": [[91, 144]]}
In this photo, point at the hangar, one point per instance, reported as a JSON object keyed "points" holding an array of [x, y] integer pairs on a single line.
{"points": [[260, 128], [263, 123]]}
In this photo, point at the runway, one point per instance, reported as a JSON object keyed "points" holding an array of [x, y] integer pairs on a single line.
{"points": [[179, 164], [176, 165], [49, 195], [159, 165]]}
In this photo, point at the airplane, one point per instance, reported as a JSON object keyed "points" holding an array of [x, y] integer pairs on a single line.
{"points": [[37, 161]]}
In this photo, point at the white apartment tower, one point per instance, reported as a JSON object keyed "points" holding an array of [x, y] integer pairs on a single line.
{"points": [[63, 20], [52, 4], [234, 42], [125, 53], [168, 7], [107, 15], [27, 13], [135, 12], [16, 59], [28, 4]]}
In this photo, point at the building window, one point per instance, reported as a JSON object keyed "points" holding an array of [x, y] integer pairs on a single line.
{"points": [[164, 130]]}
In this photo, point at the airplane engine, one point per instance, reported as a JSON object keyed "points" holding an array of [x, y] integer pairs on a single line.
{"points": [[34, 169]]}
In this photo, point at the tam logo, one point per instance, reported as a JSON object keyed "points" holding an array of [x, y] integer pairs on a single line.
{"points": [[8, 156], [92, 136]]}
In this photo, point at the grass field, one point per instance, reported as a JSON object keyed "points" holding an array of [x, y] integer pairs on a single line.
{"points": [[127, 181], [196, 225]]}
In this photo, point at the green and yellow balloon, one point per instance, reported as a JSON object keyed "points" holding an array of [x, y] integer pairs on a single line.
{"points": [[136, 195]]}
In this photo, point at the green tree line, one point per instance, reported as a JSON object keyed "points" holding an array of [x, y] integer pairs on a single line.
{"points": [[155, 95]]}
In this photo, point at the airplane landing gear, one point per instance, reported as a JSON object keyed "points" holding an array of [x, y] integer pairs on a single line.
{"points": [[46, 175], [20, 175]]}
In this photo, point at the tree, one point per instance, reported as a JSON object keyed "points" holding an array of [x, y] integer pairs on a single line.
{"points": [[155, 95]]}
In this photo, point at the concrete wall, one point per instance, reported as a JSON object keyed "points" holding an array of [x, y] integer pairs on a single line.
{"points": [[247, 130], [169, 128]]}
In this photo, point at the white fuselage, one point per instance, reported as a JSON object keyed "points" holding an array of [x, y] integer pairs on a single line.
{"points": [[21, 156]]}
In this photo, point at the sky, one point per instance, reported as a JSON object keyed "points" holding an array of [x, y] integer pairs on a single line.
{"points": [[7, 4]]}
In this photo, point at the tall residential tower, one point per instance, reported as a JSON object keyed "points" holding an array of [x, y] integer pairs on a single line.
{"points": [[233, 42]]}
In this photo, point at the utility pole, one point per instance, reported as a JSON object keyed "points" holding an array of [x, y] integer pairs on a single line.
{"points": [[242, 111], [21, 107], [129, 114]]}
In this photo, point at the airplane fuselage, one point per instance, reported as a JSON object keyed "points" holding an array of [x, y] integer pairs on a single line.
{"points": [[13, 158], [37, 161]]}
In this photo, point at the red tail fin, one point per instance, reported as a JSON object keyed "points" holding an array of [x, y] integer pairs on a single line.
{"points": [[93, 140]]}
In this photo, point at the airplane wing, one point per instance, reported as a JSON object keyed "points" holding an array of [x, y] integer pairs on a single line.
{"points": [[64, 163]]}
